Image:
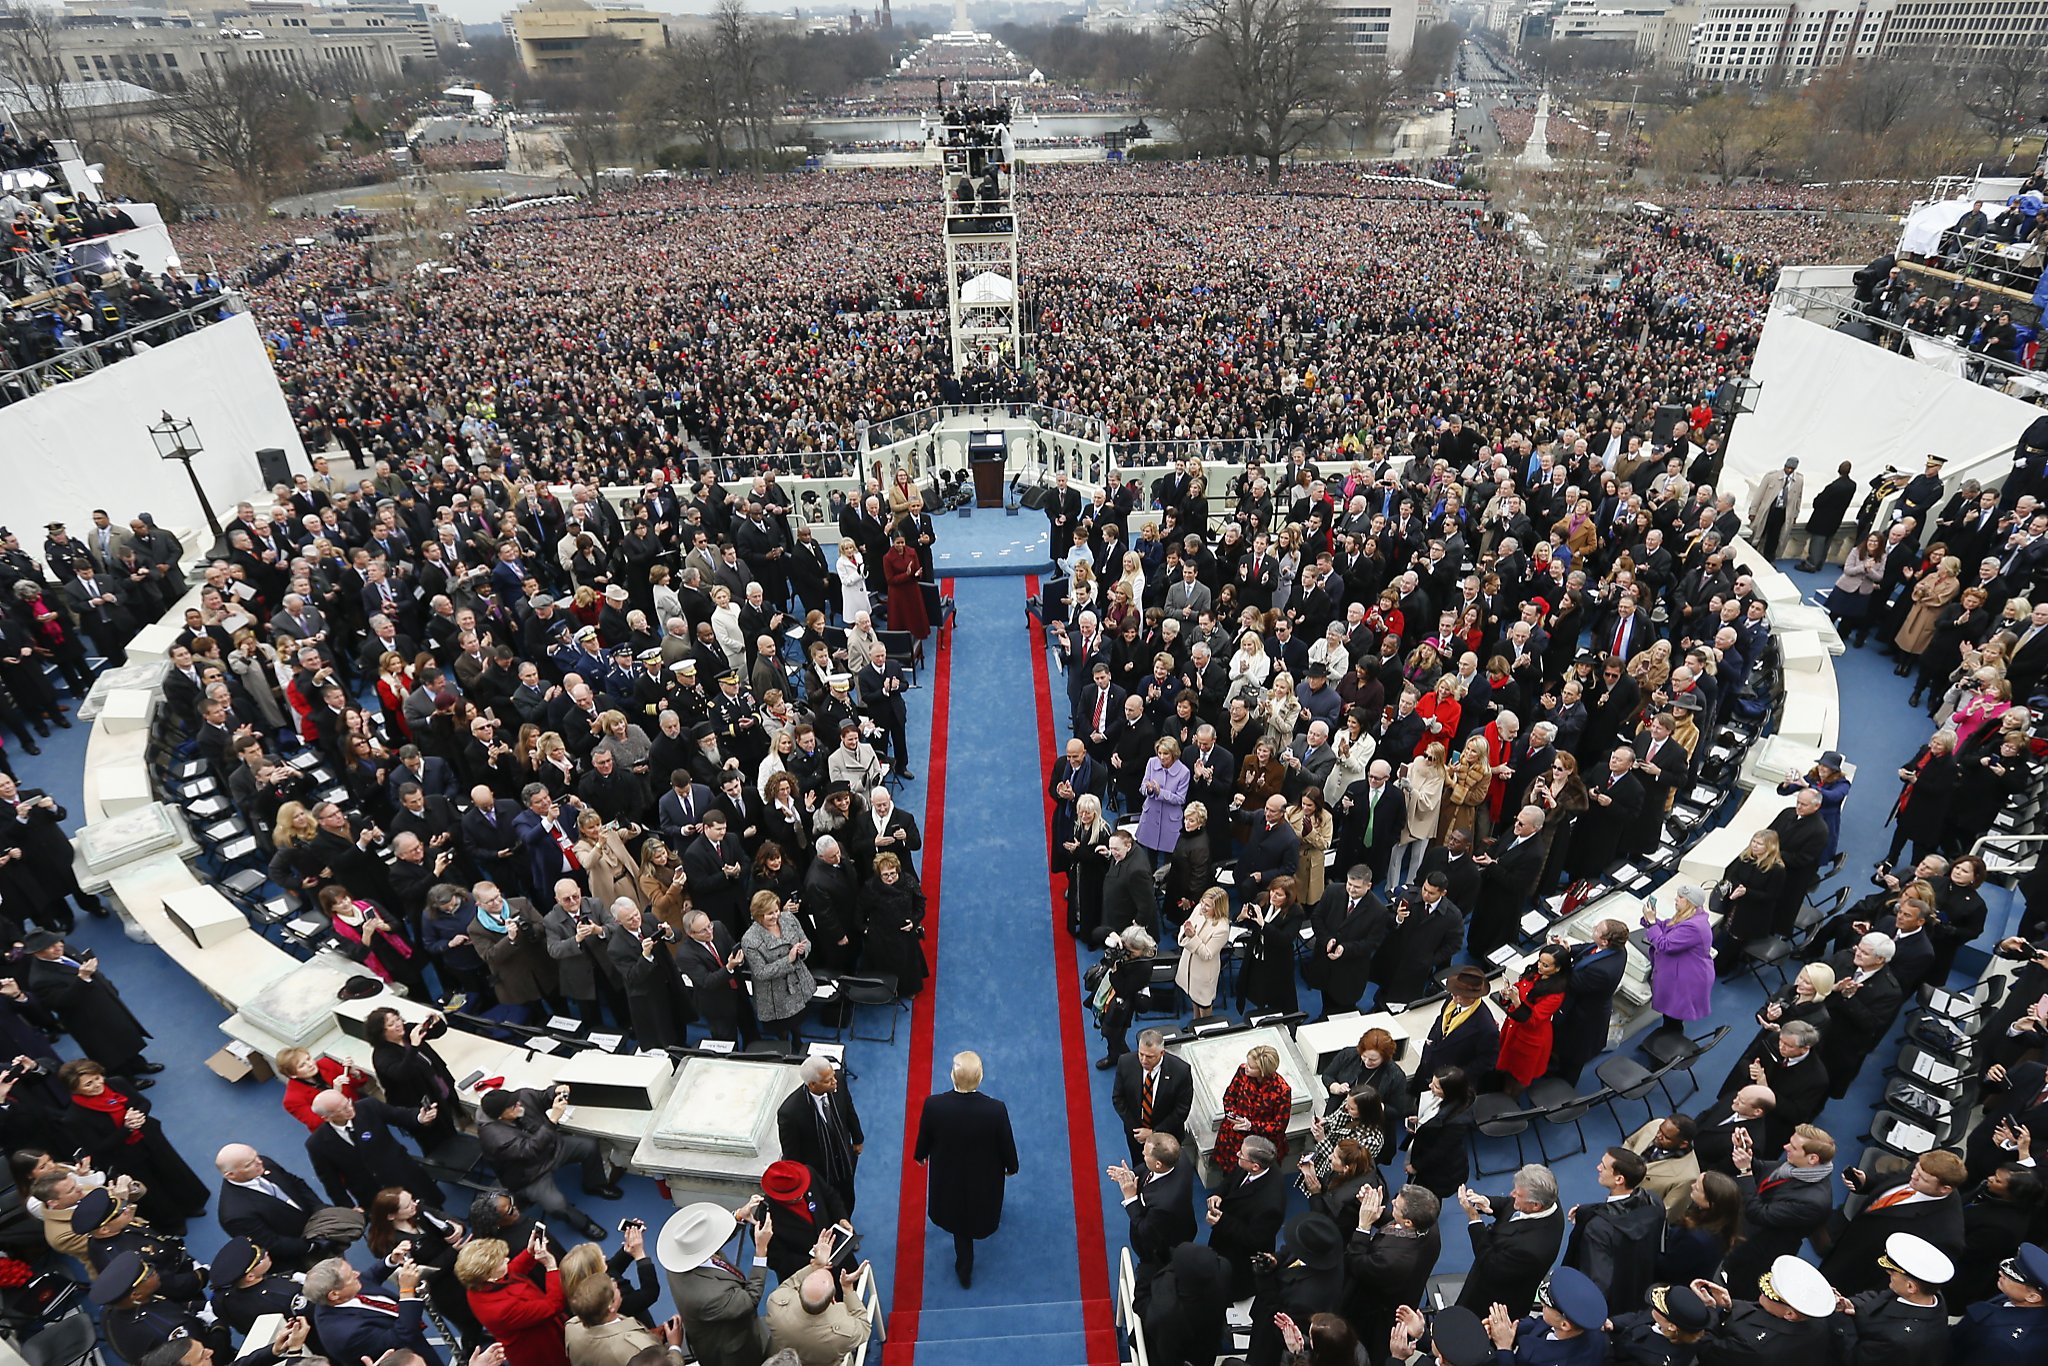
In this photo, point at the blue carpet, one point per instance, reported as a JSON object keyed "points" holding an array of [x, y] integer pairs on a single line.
{"points": [[997, 988]]}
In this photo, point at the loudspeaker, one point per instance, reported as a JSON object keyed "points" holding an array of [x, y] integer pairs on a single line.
{"points": [[1669, 415], [276, 469]]}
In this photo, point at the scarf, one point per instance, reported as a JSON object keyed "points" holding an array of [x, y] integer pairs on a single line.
{"points": [[1455, 1014], [1810, 1175], [114, 1106], [494, 923]]}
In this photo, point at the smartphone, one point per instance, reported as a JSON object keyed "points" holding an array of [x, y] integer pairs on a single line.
{"points": [[472, 1079], [540, 1232]]}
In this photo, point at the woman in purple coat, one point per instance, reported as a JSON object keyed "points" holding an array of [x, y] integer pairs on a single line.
{"points": [[1681, 959], [1165, 790]]}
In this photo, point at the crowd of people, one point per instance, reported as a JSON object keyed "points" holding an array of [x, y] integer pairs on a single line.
{"points": [[1171, 302], [1468, 680]]}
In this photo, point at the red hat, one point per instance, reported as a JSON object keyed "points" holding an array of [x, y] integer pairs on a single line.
{"points": [[786, 1181]]}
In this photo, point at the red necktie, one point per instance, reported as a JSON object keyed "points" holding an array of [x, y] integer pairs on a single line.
{"points": [[568, 847], [1101, 709], [1620, 634]]}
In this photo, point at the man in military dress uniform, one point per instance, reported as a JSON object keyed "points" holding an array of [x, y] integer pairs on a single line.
{"points": [[1567, 1328], [113, 1226], [1786, 1325], [137, 1318], [1663, 1331], [733, 715], [1906, 1323], [2011, 1328], [246, 1287]]}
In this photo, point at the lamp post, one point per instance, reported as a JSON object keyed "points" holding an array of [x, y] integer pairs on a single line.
{"points": [[175, 440]]}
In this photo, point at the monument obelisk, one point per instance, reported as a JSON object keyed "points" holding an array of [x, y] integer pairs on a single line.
{"points": [[961, 27]]}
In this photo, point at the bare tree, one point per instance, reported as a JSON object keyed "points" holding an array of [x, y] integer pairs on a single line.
{"points": [[29, 62], [744, 54], [686, 90], [248, 127], [2003, 90], [1258, 78], [1726, 137], [1429, 59]]}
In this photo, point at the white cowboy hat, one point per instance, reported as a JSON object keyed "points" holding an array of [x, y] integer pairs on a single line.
{"points": [[692, 1234]]}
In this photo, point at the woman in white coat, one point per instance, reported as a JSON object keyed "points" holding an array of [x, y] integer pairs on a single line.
{"points": [[853, 582]]}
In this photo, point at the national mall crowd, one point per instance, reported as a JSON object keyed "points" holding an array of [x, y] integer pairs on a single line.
{"points": [[1463, 681], [1176, 302]]}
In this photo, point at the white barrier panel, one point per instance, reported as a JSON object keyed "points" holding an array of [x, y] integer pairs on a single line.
{"points": [[85, 444], [1829, 397]]}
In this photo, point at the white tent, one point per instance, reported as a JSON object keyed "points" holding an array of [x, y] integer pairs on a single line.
{"points": [[1926, 224], [987, 288]]}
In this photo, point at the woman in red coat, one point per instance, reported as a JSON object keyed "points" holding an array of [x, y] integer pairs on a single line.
{"points": [[526, 1316], [901, 571], [306, 1076], [1531, 1003], [1257, 1101]]}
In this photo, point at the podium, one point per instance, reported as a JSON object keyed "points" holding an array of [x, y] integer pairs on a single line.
{"points": [[988, 479]]}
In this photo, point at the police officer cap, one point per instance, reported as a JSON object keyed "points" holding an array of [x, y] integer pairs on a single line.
{"points": [[1460, 1337], [2029, 1266], [1682, 1305], [118, 1278], [1799, 1284], [237, 1258], [98, 1206], [1918, 1258], [1573, 1294]]}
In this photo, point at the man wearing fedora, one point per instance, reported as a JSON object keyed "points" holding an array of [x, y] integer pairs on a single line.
{"points": [[719, 1303]]}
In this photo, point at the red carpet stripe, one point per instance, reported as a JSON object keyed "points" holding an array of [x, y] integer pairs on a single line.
{"points": [[907, 1299], [1098, 1311]]}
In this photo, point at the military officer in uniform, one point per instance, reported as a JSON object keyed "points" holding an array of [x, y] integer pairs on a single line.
{"points": [[136, 1318], [1663, 1332], [1786, 1325], [2010, 1328], [650, 688], [245, 1287], [735, 720], [1906, 1323], [113, 1226], [685, 697], [1567, 1328]]}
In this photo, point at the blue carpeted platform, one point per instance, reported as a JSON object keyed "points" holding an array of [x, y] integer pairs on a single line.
{"points": [[990, 544]]}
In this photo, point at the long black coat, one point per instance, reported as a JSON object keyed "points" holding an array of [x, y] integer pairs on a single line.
{"points": [[1599, 837], [1416, 950], [93, 1012], [1510, 1258], [1581, 1030], [1360, 935], [965, 1144]]}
